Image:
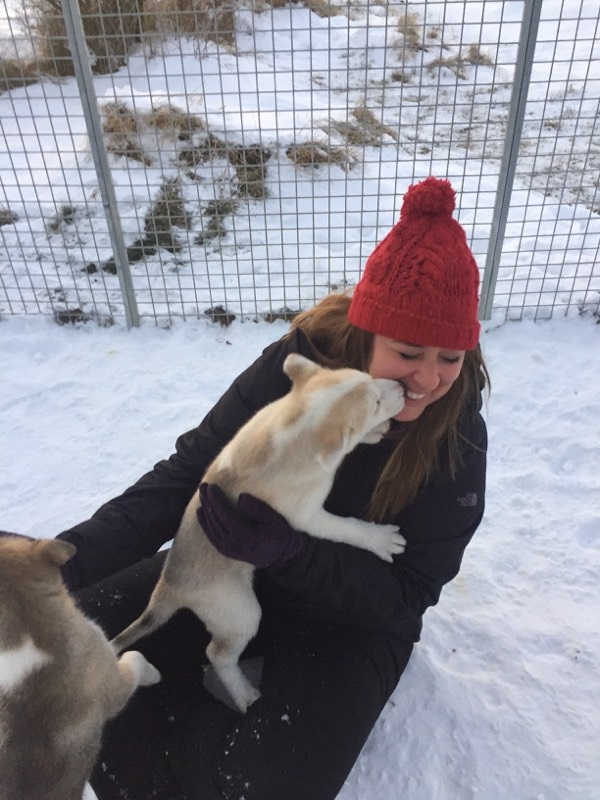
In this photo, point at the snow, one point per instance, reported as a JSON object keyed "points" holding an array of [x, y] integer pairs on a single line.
{"points": [[501, 697]]}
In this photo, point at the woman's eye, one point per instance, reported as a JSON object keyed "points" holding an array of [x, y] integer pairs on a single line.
{"points": [[451, 359], [408, 356]]}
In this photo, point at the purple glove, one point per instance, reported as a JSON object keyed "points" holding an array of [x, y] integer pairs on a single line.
{"points": [[251, 531]]}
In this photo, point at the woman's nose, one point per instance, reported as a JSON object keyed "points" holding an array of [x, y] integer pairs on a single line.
{"points": [[426, 377]]}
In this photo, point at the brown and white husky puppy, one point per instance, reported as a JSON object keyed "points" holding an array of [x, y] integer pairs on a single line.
{"points": [[286, 455], [60, 678]]}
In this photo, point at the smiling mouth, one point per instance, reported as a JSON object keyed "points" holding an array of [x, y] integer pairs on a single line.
{"points": [[410, 395]]}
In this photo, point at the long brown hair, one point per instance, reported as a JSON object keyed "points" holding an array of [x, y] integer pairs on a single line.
{"points": [[429, 439]]}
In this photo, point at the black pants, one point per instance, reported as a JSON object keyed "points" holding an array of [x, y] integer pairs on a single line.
{"points": [[323, 688]]}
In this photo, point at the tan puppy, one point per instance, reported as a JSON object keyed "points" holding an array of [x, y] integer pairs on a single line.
{"points": [[286, 455], [60, 679]]}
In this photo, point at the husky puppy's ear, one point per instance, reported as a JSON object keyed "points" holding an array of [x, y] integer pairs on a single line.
{"points": [[333, 443], [299, 368], [55, 551]]}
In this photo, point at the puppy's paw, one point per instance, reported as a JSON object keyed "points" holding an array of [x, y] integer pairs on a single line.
{"points": [[150, 675], [376, 434], [386, 542], [144, 673], [245, 700]]}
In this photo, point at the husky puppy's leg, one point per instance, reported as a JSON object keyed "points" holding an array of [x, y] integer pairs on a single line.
{"points": [[133, 671], [232, 618], [383, 540], [136, 671]]}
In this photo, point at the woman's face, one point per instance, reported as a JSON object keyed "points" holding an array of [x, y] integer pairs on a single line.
{"points": [[427, 373]]}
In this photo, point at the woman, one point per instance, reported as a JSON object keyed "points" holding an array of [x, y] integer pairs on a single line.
{"points": [[338, 624]]}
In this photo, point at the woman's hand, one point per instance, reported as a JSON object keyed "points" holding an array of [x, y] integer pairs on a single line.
{"points": [[251, 531]]}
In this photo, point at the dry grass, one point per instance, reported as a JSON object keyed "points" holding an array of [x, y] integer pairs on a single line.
{"points": [[7, 217], [121, 132], [363, 130], [249, 163], [208, 148], [172, 119], [324, 9], [214, 213], [286, 314], [220, 315], [250, 167], [400, 76], [64, 216], [111, 28], [15, 73], [167, 211], [456, 64], [76, 316], [183, 136], [210, 20], [314, 154], [369, 122], [140, 135], [411, 28]]}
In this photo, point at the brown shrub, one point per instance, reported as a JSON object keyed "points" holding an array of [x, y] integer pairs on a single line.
{"points": [[15, 73], [313, 154], [212, 20], [111, 28]]}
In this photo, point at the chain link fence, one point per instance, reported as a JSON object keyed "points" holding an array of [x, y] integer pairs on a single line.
{"points": [[173, 158]]}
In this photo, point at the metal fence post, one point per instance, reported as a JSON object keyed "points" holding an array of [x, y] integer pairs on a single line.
{"points": [[514, 128], [83, 74]]}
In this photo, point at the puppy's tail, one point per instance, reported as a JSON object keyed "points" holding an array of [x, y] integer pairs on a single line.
{"points": [[161, 608], [142, 626]]}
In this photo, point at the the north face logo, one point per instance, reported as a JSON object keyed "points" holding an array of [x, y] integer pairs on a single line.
{"points": [[468, 500]]}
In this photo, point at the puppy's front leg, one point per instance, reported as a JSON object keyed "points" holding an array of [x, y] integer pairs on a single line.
{"points": [[376, 434], [134, 667], [383, 540], [132, 671]]}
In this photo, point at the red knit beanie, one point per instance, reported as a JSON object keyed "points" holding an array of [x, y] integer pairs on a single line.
{"points": [[420, 283]]}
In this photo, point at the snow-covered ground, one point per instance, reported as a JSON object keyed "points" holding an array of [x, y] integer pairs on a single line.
{"points": [[501, 697]]}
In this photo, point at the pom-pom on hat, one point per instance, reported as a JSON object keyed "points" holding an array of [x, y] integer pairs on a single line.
{"points": [[421, 282]]}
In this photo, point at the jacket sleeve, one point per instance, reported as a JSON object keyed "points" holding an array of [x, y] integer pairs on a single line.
{"points": [[344, 584], [137, 523]]}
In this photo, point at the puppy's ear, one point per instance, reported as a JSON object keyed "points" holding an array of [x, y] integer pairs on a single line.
{"points": [[299, 368], [56, 551], [333, 445]]}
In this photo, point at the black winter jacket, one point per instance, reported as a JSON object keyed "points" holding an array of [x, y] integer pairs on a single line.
{"points": [[329, 581]]}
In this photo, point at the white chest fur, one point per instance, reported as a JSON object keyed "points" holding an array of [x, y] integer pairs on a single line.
{"points": [[18, 663]]}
